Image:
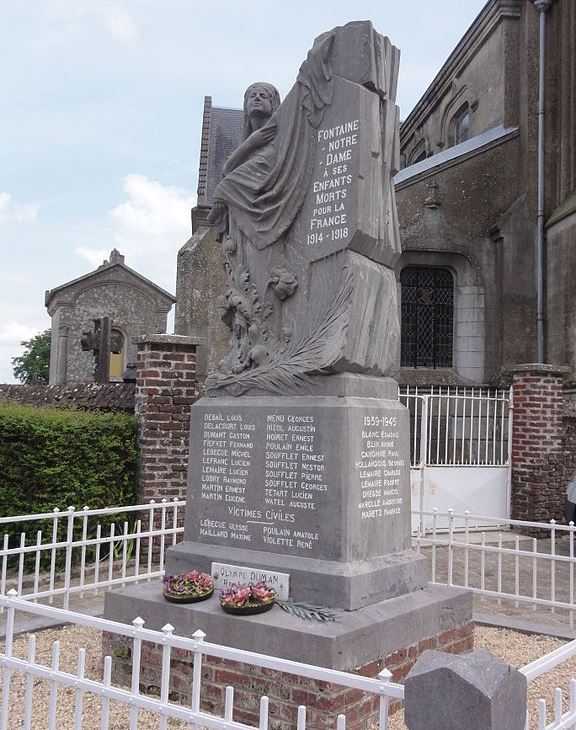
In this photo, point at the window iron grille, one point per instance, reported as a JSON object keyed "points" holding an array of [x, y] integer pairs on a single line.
{"points": [[427, 312]]}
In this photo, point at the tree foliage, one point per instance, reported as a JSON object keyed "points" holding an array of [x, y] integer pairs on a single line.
{"points": [[33, 366]]}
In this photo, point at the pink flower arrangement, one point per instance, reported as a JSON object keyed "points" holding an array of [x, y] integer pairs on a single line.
{"points": [[247, 594], [188, 584]]}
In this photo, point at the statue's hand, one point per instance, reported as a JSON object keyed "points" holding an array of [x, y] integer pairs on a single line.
{"points": [[266, 134], [217, 213]]}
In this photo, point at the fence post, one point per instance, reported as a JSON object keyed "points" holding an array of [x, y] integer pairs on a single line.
{"points": [[423, 457], [197, 674], [450, 545], [264, 709], [68, 561], [167, 630], [166, 388], [7, 670], [138, 623], [56, 513], [384, 676], [541, 458]]}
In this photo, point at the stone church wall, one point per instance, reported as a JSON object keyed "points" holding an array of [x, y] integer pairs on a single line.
{"points": [[200, 281]]}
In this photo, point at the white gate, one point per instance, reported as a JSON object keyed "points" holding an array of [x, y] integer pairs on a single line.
{"points": [[460, 451]]}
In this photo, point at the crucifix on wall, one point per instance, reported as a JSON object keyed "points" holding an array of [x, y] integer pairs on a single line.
{"points": [[102, 343]]}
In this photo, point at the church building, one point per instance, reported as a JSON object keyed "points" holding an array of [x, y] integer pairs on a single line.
{"points": [[487, 275]]}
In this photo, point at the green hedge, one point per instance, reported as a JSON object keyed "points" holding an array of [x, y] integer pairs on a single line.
{"points": [[59, 458]]}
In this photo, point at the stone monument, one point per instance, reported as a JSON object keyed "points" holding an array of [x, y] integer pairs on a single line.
{"points": [[299, 453]]}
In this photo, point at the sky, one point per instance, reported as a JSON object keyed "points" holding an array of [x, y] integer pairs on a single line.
{"points": [[100, 117]]}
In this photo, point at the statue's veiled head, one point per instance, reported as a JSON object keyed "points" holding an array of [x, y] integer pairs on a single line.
{"points": [[260, 101]]}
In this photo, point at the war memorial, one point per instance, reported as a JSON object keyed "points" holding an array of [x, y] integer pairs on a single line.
{"points": [[299, 452]]}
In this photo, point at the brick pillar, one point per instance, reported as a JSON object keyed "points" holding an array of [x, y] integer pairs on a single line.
{"points": [[537, 440], [165, 390]]}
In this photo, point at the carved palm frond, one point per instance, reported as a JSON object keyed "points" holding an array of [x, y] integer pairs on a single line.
{"points": [[306, 611], [309, 352]]}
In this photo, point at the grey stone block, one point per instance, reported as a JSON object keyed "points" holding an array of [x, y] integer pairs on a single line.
{"points": [[315, 487], [345, 585], [476, 691], [353, 640]]}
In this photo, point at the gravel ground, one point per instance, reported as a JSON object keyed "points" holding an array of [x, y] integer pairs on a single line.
{"points": [[511, 646]]}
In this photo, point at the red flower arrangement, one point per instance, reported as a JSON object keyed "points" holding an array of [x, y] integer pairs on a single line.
{"points": [[247, 598], [187, 587]]}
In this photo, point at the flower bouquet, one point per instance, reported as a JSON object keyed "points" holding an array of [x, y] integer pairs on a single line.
{"points": [[187, 587], [247, 598]]}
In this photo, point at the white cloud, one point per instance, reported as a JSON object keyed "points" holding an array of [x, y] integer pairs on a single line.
{"points": [[152, 210], [13, 212], [122, 26], [19, 321], [14, 332], [148, 229], [94, 256]]}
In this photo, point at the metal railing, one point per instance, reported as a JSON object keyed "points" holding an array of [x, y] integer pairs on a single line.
{"points": [[501, 565], [504, 565], [137, 635], [562, 719], [75, 552], [458, 426], [498, 563]]}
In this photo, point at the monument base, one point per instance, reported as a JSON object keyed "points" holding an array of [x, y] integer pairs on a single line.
{"points": [[316, 487], [349, 585], [390, 635]]}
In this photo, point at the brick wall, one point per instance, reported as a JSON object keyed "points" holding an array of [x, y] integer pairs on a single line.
{"points": [[324, 701], [165, 390], [543, 442]]}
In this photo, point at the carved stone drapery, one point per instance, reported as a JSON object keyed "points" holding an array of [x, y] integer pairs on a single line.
{"points": [[308, 224]]}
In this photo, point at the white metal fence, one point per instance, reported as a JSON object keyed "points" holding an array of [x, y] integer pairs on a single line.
{"points": [[458, 426], [192, 716], [504, 566], [77, 555], [68, 552], [460, 449], [561, 718], [538, 572]]}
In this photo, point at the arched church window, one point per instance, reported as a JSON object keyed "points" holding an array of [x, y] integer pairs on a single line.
{"points": [[460, 126], [427, 317], [418, 153]]}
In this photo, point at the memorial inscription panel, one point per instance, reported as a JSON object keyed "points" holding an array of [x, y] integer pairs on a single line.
{"points": [[328, 221], [275, 479], [329, 198]]}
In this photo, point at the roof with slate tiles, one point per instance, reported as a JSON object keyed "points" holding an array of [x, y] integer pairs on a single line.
{"points": [[221, 134]]}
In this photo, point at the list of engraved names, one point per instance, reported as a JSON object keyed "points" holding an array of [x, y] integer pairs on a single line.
{"points": [[379, 467], [274, 505]]}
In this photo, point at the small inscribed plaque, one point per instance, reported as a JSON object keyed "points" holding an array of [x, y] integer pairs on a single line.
{"points": [[227, 575]]}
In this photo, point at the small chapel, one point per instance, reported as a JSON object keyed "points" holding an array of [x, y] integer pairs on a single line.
{"points": [[133, 305]]}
